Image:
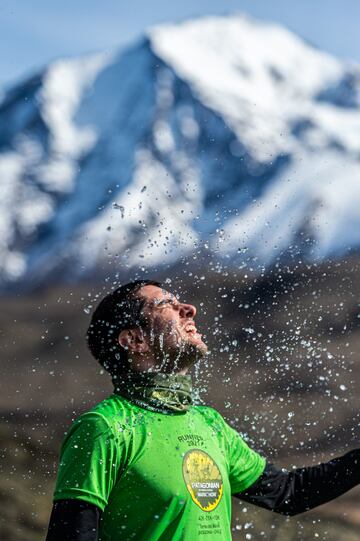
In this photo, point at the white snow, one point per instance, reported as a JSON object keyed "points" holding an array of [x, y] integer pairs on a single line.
{"points": [[230, 61], [136, 158], [64, 85], [322, 194], [146, 224]]}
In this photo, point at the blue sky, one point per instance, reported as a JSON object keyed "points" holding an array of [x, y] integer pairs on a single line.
{"points": [[34, 32]]}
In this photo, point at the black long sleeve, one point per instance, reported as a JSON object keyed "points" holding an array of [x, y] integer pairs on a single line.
{"points": [[73, 520], [294, 492]]}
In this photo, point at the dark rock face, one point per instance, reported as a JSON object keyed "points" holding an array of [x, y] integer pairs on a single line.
{"points": [[344, 93]]}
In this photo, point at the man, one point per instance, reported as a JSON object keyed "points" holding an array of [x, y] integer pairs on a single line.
{"points": [[146, 464]]}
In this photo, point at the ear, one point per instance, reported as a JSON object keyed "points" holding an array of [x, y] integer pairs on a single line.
{"points": [[133, 340]]}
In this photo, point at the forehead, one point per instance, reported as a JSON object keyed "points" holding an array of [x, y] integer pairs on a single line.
{"points": [[155, 294]]}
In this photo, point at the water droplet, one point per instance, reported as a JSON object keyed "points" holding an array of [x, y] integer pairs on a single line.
{"points": [[121, 208], [249, 330]]}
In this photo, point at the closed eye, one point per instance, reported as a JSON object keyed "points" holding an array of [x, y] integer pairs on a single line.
{"points": [[170, 302]]}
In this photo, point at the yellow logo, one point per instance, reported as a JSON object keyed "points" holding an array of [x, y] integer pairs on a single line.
{"points": [[203, 479]]}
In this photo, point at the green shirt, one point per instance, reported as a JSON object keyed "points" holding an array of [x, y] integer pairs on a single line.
{"points": [[156, 476]]}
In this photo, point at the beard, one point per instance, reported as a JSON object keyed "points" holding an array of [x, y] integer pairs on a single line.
{"points": [[176, 353]]}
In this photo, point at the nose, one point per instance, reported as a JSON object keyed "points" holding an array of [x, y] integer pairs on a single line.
{"points": [[187, 310]]}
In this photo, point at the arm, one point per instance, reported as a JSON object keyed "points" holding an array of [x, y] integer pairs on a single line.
{"points": [[88, 468], [294, 492], [73, 520]]}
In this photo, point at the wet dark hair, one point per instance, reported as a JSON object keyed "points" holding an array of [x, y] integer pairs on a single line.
{"points": [[121, 309]]}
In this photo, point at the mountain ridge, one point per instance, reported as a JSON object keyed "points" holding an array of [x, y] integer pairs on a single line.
{"points": [[202, 133]]}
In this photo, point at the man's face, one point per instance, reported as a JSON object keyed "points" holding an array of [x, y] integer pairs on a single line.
{"points": [[172, 333]]}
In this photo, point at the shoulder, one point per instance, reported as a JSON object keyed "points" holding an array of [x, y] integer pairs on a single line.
{"points": [[211, 416], [218, 423], [205, 410], [113, 407], [103, 418]]}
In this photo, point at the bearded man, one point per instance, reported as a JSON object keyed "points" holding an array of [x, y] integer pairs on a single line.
{"points": [[146, 464]]}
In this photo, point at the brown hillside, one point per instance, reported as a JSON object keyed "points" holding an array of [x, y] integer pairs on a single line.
{"points": [[284, 369]]}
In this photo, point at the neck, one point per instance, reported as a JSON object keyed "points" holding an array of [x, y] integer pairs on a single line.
{"points": [[157, 370], [150, 364], [156, 391]]}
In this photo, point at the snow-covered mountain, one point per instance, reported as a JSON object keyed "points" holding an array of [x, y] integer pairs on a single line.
{"points": [[222, 134]]}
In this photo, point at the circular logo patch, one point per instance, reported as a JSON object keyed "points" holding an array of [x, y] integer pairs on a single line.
{"points": [[203, 479]]}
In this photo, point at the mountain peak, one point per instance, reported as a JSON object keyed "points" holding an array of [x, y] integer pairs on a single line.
{"points": [[214, 134], [238, 67]]}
